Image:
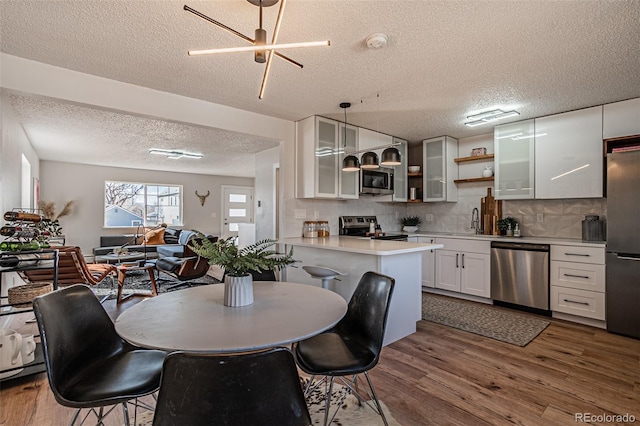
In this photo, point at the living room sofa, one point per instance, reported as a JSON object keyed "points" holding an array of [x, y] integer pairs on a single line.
{"points": [[110, 242]]}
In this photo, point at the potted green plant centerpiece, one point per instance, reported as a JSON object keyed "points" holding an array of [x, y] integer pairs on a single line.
{"points": [[506, 225], [239, 262], [410, 223]]}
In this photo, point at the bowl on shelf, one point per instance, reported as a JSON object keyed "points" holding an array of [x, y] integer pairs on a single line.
{"points": [[414, 169]]}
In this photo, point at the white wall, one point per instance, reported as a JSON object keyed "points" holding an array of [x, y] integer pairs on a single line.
{"points": [[14, 143], [264, 194], [61, 182]]}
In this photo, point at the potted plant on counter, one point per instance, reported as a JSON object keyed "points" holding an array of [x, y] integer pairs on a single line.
{"points": [[239, 262], [506, 225], [410, 223]]}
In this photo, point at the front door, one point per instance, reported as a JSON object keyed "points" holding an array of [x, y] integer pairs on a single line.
{"points": [[237, 207]]}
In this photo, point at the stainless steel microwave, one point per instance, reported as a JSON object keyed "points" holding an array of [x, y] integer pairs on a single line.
{"points": [[376, 181]]}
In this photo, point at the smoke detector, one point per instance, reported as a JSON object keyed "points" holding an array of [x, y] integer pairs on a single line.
{"points": [[376, 41]]}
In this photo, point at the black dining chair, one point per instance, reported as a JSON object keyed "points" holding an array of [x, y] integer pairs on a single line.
{"points": [[256, 388], [88, 365], [353, 346]]}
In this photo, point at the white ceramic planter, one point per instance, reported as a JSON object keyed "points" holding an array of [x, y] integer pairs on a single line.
{"points": [[409, 228], [238, 291]]}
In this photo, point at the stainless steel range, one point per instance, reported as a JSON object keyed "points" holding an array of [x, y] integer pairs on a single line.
{"points": [[359, 226]]}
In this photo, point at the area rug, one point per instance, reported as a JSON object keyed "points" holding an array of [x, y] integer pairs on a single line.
{"points": [[350, 413], [485, 320]]}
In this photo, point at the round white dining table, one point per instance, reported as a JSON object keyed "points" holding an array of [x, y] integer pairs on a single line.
{"points": [[196, 320]]}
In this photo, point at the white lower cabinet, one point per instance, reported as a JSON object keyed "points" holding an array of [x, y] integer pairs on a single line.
{"points": [[428, 263], [578, 281], [463, 266]]}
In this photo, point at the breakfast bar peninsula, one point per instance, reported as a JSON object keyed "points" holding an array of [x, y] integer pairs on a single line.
{"points": [[355, 256]]}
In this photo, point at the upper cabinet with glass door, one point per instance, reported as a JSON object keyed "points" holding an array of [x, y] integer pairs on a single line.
{"points": [[569, 155], [514, 156], [440, 169], [349, 181], [400, 187], [317, 156]]}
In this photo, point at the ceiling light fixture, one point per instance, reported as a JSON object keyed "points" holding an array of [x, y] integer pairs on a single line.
{"points": [[489, 116], [263, 52], [369, 160], [175, 154]]}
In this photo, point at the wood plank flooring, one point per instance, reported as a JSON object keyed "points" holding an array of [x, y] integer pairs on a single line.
{"points": [[444, 376]]}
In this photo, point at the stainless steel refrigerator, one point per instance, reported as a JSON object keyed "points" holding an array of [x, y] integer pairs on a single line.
{"points": [[623, 243]]}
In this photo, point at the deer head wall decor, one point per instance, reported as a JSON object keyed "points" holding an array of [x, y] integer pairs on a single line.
{"points": [[202, 197]]}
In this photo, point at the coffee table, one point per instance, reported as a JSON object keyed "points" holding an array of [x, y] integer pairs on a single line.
{"points": [[122, 275], [120, 258], [196, 320]]}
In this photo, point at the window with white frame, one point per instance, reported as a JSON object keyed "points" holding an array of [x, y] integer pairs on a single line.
{"points": [[129, 204]]}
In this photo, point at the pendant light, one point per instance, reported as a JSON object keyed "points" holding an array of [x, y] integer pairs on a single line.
{"points": [[350, 163], [391, 157], [369, 160]]}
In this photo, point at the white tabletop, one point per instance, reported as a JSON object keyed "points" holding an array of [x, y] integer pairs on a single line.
{"points": [[195, 319]]}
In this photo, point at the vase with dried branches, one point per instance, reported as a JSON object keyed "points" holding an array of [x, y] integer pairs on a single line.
{"points": [[52, 225]]}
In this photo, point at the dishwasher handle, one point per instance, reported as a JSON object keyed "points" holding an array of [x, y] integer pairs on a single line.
{"points": [[519, 246]]}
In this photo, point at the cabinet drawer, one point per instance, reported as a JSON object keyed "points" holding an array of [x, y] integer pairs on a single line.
{"points": [[578, 254], [582, 276], [589, 304], [471, 246]]}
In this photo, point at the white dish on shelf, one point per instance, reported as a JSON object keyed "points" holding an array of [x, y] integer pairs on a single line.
{"points": [[414, 169]]}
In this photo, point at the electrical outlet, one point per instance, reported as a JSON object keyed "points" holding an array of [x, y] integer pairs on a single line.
{"points": [[316, 214], [214, 214], [428, 217], [300, 213], [540, 217]]}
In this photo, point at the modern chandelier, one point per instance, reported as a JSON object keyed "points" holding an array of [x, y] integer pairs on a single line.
{"points": [[263, 52]]}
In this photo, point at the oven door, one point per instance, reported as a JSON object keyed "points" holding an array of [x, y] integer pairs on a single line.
{"points": [[376, 181]]}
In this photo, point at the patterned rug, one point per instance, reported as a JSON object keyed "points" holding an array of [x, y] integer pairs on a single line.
{"points": [[349, 414], [485, 320]]}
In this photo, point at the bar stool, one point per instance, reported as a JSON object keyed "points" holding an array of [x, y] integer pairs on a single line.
{"points": [[324, 274]]}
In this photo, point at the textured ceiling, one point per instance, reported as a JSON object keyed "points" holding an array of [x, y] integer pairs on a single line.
{"points": [[445, 60]]}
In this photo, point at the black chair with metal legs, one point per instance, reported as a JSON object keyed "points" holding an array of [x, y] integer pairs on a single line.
{"points": [[256, 388], [353, 346], [88, 365]]}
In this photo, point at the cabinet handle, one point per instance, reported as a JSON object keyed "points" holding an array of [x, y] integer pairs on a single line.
{"points": [[586, 277], [574, 301], [463, 260], [577, 254], [457, 255]]}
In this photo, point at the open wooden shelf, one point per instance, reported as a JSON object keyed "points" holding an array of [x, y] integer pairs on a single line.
{"points": [[414, 201], [419, 174], [480, 179], [474, 158]]}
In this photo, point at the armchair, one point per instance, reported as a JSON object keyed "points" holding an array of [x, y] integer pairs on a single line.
{"points": [[72, 269], [187, 268]]}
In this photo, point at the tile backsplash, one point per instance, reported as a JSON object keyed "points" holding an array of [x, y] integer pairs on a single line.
{"points": [[560, 218]]}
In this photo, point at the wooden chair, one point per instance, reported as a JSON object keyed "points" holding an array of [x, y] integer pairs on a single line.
{"points": [[72, 269]]}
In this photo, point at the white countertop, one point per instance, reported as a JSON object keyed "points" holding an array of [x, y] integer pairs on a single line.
{"points": [[532, 240], [361, 245]]}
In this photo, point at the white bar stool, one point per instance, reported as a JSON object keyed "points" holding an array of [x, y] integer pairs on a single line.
{"points": [[324, 274]]}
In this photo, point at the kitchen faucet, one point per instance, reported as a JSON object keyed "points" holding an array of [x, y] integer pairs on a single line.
{"points": [[475, 220]]}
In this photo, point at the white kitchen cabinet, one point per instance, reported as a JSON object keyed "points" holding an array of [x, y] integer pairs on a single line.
{"points": [[400, 187], [349, 181], [369, 139], [464, 266], [514, 160], [440, 169], [319, 160], [428, 263], [577, 282], [569, 155], [621, 119]]}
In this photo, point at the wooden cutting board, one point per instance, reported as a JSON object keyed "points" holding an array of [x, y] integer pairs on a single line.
{"points": [[490, 213]]}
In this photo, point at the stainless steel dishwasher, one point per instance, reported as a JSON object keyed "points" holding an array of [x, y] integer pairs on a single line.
{"points": [[520, 274]]}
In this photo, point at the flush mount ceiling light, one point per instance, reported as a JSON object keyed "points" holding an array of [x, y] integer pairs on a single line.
{"points": [[489, 116], [174, 154], [263, 52]]}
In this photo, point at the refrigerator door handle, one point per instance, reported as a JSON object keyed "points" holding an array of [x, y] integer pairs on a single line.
{"points": [[637, 259]]}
